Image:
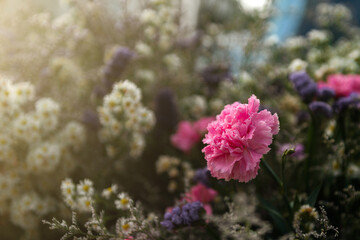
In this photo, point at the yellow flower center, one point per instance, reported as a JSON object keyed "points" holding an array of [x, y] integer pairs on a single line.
{"points": [[124, 201], [86, 188], [125, 226]]}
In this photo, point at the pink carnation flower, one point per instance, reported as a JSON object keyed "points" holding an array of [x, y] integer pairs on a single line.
{"points": [[238, 139], [185, 137], [201, 125], [343, 85], [188, 134], [202, 194]]}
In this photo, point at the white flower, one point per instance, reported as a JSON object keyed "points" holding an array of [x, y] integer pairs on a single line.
{"points": [[318, 36], [49, 123], [146, 75], [70, 202], [84, 204], [28, 201], [173, 172], [112, 102], [105, 116], [137, 145], [354, 55], [123, 202], [42, 207], [20, 211], [172, 186], [67, 188], [147, 118], [321, 71], [150, 32], [6, 185], [197, 105], [143, 49], [295, 43], [134, 119], [297, 65], [73, 134], [125, 226], [23, 92], [115, 127], [129, 105], [272, 40], [44, 158], [353, 170], [150, 16], [107, 192], [47, 107], [341, 64], [172, 61], [163, 164], [128, 89], [26, 127], [85, 188]]}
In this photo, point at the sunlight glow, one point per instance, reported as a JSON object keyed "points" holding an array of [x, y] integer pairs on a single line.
{"points": [[253, 4]]}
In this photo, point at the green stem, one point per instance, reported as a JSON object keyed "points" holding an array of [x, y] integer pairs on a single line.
{"points": [[309, 150], [272, 173], [279, 183]]}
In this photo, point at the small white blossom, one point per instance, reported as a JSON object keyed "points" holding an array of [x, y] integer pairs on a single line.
{"points": [[297, 65], [85, 188], [123, 202], [107, 192], [67, 188]]}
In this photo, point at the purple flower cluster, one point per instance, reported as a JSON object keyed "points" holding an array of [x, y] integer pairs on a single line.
{"points": [[345, 102], [321, 109], [184, 216], [325, 93], [118, 62], [304, 85], [202, 175], [113, 68]]}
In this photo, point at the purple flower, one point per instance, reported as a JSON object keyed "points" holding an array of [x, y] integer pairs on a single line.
{"points": [[167, 216], [118, 62], [304, 85], [325, 93], [176, 210], [321, 109], [185, 216], [113, 68], [344, 102], [168, 224], [176, 219], [202, 175]]}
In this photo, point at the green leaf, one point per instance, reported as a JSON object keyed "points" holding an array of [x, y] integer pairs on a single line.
{"points": [[313, 196], [278, 219]]}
